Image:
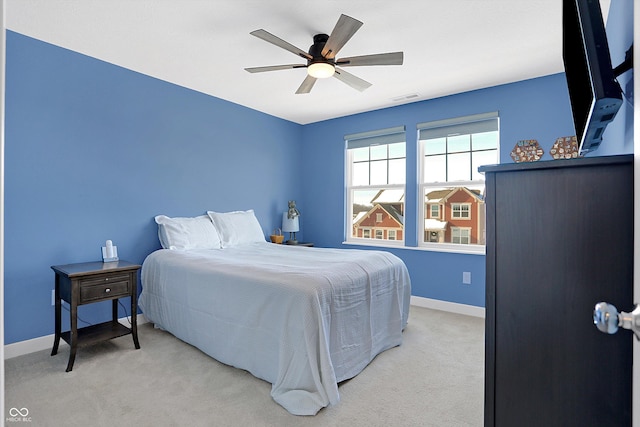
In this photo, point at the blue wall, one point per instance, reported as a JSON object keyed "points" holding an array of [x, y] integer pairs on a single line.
{"points": [[533, 109], [94, 152]]}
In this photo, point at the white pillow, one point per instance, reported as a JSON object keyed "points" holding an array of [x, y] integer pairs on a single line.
{"points": [[237, 228], [187, 233]]}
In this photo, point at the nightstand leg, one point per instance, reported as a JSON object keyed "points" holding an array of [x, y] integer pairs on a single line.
{"points": [[73, 335], [134, 318], [58, 320], [114, 310], [72, 358]]}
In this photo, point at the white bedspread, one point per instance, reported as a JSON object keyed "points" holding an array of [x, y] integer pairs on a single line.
{"points": [[300, 318]]}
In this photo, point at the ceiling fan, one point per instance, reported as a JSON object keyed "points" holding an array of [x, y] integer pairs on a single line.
{"points": [[321, 58]]}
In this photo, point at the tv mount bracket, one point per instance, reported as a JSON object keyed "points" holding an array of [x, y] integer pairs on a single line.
{"points": [[626, 65]]}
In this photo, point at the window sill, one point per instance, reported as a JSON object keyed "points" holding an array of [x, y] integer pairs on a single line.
{"points": [[453, 248], [439, 247], [376, 243]]}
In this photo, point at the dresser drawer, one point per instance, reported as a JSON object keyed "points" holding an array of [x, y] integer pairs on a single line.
{"points": [[104, 287]]}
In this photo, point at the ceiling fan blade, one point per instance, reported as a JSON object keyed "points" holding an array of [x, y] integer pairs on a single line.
{"points": [[353, 81], [392, 58], [306, 85], [268, 37], [345, 28], [274, 68]]}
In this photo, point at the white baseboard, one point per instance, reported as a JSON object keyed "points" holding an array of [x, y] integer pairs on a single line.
{"points": [[453, 307], [42, 343]]}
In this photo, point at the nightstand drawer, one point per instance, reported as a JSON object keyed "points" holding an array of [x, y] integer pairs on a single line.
{"points": [[104, 287]]}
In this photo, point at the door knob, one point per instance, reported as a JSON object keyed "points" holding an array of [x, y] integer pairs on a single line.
{"points": [[607, 318]]}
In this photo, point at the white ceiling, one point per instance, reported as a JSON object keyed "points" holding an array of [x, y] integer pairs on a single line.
{"points": [[449, 46]]}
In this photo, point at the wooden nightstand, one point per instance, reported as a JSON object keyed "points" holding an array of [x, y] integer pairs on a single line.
{"points": [[90, 282]]}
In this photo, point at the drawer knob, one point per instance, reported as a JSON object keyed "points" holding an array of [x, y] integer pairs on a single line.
{"points": [[107, 290]]}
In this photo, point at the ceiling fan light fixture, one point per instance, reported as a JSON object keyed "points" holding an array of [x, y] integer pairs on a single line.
{"points": [[321, 58], [321, 70]]}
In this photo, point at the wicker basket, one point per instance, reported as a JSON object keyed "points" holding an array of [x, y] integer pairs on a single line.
{"points": [[277, 236]]}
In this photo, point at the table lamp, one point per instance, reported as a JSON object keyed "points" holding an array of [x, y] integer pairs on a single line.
{"points": [[290, 225]]}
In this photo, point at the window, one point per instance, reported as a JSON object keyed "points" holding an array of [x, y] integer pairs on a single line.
{"points": [[375, 181], [461, 210], [460, 235], [450, 152]]}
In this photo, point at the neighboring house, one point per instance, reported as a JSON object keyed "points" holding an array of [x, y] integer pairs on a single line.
{"points": [[454, 215], [385, 220], [434, 223]]}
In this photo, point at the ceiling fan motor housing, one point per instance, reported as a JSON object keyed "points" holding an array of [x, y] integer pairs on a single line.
{"points": [[319, 40]]}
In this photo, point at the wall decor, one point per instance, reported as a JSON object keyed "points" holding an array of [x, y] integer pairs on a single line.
{"points": [[565, 147], [527, 150]]}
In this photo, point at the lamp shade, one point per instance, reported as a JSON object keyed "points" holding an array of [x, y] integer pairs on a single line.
{"points": [[290, 225]]}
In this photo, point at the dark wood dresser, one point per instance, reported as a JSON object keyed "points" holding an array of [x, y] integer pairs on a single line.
{"points": [[559, 240]]}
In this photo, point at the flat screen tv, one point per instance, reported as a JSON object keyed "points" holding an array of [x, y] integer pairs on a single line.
{"points": [[594, 93]]}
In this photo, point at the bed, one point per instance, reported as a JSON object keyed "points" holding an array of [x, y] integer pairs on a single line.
{"points": [[303, 319]]}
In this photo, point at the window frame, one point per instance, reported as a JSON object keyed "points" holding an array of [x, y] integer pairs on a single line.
{"points": [[378, 137], [461, 123]]}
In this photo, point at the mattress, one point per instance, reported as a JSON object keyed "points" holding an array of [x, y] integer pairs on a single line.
{"points": [[301, 318]]}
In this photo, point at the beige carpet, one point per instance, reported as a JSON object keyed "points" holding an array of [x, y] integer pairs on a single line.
{"points": [[434, 379]]}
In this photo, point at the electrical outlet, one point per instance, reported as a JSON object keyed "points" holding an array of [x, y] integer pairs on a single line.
{"points": [[466, 277], [53, 297]]}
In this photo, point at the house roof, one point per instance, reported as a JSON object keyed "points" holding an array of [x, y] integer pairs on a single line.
{"points": [[359, 216], [393, 212], [388, 196], [390, 208], [439, 196]]}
